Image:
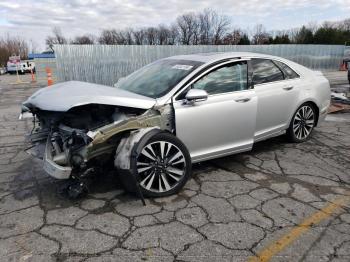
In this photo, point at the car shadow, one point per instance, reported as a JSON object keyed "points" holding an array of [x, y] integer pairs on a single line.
{"points": [[30, 179]]}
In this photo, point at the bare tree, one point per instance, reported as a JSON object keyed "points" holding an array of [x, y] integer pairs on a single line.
{"points": [[313, 26], [56, 38], [196, 33], [163, 35], [220, 25], [128, 36], [233, 38], [139, 36], [209, 27], [151, 35], [114, 37], [205, 27], [345, 25], [260, 36], [108, 37], [187, 25], [292, 33], [122, 38], [12, 46], [173, 34], [84, 40]]}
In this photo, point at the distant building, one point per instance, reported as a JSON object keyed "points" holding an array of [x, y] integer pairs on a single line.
{"points": [[42, 55]]}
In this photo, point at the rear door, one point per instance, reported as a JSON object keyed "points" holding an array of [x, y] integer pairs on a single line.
{"points": [[277, 97], [225, 122]]}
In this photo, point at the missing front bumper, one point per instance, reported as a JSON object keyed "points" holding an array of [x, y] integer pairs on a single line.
{"points": [[53, 169]]}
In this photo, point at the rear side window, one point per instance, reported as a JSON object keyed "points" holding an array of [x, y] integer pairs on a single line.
{"points": [[265, 71], [289, 73]]}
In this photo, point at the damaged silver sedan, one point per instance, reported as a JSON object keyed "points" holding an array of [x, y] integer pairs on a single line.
{"points": [[159, 120]]}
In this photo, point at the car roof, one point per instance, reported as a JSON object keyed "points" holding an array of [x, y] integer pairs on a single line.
{"points": [[217, 56], [212, 57]]}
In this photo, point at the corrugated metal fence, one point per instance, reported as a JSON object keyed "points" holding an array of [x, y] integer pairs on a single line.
{"points": [[104, 64]]}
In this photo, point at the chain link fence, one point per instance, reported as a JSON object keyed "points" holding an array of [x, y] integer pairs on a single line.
{"points": [[105, 64]]}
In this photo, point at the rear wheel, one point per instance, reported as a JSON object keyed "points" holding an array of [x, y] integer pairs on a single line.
{"points": [[162, 166], [302, 124]]}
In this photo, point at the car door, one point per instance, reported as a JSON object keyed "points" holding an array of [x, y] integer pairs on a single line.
{"points": [[225, 122], [277, 98]]}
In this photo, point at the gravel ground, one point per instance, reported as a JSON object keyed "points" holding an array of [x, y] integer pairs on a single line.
{"points": [[233, 208]]}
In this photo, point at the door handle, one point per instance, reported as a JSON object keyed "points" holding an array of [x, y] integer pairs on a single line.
{"points": [[288, 88], [242, 100]]}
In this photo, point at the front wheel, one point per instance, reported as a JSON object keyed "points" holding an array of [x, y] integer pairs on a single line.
{"points": [[302, 124], [162, 166]]}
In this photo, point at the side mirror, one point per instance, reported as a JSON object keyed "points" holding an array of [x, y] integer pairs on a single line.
{"points": [[194, 95]]}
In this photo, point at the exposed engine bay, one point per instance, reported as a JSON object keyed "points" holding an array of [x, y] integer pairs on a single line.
{"points": [[84, 138]]}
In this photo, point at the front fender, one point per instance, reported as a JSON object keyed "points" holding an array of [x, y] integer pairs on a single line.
{"points": [[129, 147]]}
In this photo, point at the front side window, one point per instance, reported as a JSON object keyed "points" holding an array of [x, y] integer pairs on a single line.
{"points": [[227, 78], [157, 79], [265, 71]]}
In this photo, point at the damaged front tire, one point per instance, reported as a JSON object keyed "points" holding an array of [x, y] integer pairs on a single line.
{"points": [[161, 165]]}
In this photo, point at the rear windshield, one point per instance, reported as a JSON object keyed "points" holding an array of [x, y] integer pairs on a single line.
{"points": [[157, 79]]}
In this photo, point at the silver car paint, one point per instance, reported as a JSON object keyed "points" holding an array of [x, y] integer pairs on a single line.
{"points": [[64, 96], [271, 117], [220, 125], [208, 59], [274, 116]]}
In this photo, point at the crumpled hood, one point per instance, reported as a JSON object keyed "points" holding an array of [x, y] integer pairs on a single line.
{"points": [[64, 96]]}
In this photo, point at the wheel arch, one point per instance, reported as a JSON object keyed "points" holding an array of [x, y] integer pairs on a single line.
{"points": [[314, 105], [129, 150], [130, 145]]}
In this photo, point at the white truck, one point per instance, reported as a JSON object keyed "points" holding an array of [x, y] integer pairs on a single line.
{"points": [[24, 66]]}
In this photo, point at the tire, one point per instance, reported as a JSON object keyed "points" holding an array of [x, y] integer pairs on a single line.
{"points": [[161, 166], [302, 123]]}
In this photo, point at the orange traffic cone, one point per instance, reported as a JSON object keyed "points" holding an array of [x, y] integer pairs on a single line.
{"points": [[49, 76], [33, 76]]}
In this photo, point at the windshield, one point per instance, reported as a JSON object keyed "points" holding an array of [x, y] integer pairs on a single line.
{"points": [[158, 78]]}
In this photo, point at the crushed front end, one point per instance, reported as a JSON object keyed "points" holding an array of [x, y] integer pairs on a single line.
{"points": [[86, 138], [60, 138]]}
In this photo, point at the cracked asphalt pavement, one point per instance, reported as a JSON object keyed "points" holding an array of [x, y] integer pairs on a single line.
{"points": [[274, 202]]}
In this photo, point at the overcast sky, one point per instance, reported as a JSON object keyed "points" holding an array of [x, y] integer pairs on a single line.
{"points": [[34, 19]]}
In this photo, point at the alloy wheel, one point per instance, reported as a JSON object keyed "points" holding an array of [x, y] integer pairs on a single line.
{"points": [[303, 122], [160, 166]]}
